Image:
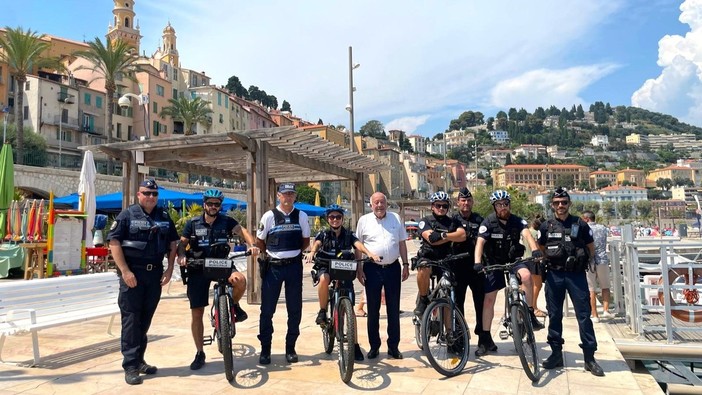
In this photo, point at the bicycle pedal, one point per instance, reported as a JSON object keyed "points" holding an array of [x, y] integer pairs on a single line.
{"points": [[207, 340], [503, 335]]}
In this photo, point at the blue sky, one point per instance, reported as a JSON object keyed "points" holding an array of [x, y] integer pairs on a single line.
{"points": [[422, 63]]}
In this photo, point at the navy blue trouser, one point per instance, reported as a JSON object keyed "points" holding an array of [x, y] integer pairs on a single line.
{"points": [[557, 283], [137, 307], [467, 277], [291, 275], [377, 278]]}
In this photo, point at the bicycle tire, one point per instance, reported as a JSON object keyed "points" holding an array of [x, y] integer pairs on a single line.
{"points": [[328, 329], [225, 335], [346, 336], [524, 341], [446, 350], [417, 322]]}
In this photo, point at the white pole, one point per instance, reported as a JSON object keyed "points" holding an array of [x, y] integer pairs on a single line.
{"points": [[60, 131]]}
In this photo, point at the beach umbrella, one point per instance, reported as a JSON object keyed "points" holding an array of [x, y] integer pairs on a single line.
{"points": [[7, 184], [16, 221], [317, 221], [31, 221], [25, 222], [86, 189], [39, 222], [11, 222]]}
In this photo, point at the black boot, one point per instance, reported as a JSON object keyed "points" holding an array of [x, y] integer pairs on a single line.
{"points": [[422, 304], [535, 323], [591, 364], [265, 357], [485, 344], [555, 360]]}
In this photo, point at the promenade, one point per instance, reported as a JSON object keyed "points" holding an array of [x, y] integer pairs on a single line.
{"points": [[84, 359]]}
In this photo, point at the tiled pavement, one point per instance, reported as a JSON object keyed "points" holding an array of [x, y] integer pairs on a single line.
{"points": [[83, 359]]}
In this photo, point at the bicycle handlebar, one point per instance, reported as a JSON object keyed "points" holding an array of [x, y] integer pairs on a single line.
{"points": [[201, 261], [511, 265], [425, 262]]}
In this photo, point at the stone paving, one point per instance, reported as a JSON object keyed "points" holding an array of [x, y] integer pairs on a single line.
{"points": [[84, 359]]}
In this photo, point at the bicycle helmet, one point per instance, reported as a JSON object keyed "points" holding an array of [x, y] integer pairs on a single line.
{"points": [[498, 195], [334, 208], [464, 193], [560, 192], [440, 196], [213, 194]]}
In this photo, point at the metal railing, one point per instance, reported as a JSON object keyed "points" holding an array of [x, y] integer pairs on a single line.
{"points": [[644, 268], [67, 122]]}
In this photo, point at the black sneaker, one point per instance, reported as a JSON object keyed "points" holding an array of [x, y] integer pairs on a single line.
{"points": [[145, 368], [481, 350], [422, 304], [241, 315], [555, 360], [131, 377], [535, 323], [321, 317], [358, 354], [199, 361]]}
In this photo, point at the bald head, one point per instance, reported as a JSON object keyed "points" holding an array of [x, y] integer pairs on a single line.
{"points": [[379, 204]]}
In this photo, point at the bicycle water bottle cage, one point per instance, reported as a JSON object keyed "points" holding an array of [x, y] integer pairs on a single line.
{"points": [[219, 250]]}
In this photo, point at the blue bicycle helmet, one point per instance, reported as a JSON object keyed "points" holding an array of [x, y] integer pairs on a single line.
{"points": [[213, 194], [440, 196], [334, 208], [500, 195]]}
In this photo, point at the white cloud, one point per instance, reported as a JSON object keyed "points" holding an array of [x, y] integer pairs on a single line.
{"points": [[678, 89], [544, 87], [407, 124]]}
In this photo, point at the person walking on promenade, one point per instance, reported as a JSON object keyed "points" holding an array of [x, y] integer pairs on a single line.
{"points": [[199, 234], [600, 273], [466, 276], [498, 243], [569, 250], [384, 235], [284, 232], [537, 275], [139, 238]]}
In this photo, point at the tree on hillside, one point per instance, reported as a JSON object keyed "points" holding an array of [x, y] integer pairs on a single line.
{"points": [[625, 209], [608, 210], [404, 143], [491, 123], [579, 113], [566, 181], [644, 208], [34, 145], [601, 183], [188, 111], [373, 128], [664, 183], [683, 182], [307, 194], [113, 60], [235, 86], [438, 136], [285, 106], [512, 114], [23, 52], [466, 120]]}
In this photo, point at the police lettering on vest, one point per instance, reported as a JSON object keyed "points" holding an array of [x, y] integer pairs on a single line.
{"points": [[437, 224], [471, 226], [502, 241], [144, 238], [202, 235], [286, 234], [565, 243]]}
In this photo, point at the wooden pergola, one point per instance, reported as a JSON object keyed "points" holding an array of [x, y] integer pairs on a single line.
{"points": [[261, 157]]}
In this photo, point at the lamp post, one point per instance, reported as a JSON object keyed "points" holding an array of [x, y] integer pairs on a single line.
{"points": [[61, 103], [142, 100], [5, 111], [350, 107]]}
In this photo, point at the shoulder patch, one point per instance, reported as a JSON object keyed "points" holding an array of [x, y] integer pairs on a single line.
{"points": [[538, 234], [421, 224], [114, 225], [482, 229], [260, 226], [524, 222], [590, 232]]}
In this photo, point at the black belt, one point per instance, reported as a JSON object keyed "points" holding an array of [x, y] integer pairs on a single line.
{"points": [[148, 267], [286, 261], [387, 266]]}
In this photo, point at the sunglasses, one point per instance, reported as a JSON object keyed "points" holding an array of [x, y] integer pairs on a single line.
{"points": [[501, 204], [334, 217], [213, 204], [442, 206], [147, 193], [560, 202]]}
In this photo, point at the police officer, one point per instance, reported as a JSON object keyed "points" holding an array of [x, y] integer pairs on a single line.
{"points": [[334, 241], [438, 230], [497, 244], [139, 238], [199, 234], [569, 250], [283, 233], [466, 276]]}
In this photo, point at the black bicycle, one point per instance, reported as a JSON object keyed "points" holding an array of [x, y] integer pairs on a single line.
{"points": [[517, 319], [341, 323], [443, 334], [218, 268]]}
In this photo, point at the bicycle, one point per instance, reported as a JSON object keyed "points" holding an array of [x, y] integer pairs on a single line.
{"points": [[517, 319], [443, 334], [217, 268], [341, 323]]}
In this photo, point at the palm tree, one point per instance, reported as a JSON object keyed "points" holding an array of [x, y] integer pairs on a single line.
{"points": [[111, 61], [188, 111], [22, 51]]}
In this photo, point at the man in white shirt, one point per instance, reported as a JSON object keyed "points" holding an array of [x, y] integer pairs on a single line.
{"points": [[383, 234]]}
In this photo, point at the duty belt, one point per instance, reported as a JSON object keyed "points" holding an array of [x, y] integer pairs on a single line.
{"points": [[285, 261], [148, 267]]}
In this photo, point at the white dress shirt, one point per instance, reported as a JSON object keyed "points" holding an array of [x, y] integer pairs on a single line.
{"points": [[382, 236]]}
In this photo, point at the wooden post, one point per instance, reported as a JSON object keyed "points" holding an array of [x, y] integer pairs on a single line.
{"points": [[257, 180]]}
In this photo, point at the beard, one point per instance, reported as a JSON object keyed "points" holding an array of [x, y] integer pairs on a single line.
{"points": [[503, 214]]}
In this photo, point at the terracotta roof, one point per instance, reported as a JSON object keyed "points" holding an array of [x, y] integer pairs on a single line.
{"points": [[545, 166], [603, 172], [620, 187]]}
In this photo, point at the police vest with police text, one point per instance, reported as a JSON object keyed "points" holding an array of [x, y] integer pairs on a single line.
{"points": [[203, 236], [503, 245], [147, 239], [426, 250], [563, 243], [471, 226], [286, 234]]}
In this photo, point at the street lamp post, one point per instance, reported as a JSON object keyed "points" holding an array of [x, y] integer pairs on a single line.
{"points": [[142, 100], [5, 111], [350, 108]]}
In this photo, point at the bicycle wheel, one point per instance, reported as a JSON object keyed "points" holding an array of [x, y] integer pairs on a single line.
{"points": [[328, 329], [346, 334], [225, 335], [445, 338], [524, 341], [417, 321]]}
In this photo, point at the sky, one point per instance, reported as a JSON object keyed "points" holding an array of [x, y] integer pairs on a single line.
{"points": [[421, 63]]}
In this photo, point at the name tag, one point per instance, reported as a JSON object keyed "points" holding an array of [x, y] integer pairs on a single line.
{"points": [[497, 236], [555, 235], [200, 232], [218, 263], [342, 265]]}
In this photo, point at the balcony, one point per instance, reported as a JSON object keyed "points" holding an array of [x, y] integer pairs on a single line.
{"points": [[64, 97], [68, 122], [96, 130]]}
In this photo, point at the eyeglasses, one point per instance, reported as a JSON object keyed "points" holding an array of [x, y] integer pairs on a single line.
{"points": [[147, 193], [501, 204], [442, 206], [335, 217], [560, 202], [213, 204]]}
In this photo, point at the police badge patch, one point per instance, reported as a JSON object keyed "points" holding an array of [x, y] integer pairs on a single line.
{"points": [[114, 225], [482, 229], [260, 226], [421, 224]]}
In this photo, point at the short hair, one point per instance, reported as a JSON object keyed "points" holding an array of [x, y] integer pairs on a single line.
{"points": [[589, 215]]}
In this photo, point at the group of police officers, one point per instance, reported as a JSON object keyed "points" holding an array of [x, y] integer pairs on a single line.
{"points": [[143, 234]]}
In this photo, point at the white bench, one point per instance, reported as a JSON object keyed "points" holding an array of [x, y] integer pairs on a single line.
{"points": [[28, 306]]}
